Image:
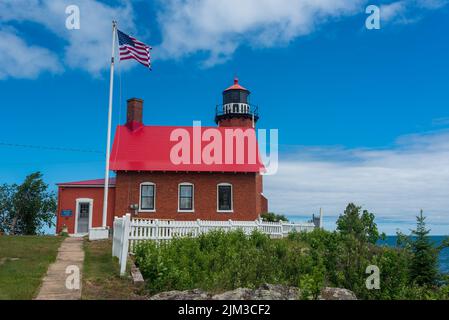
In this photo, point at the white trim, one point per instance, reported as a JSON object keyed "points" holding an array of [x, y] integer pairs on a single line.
{"points": [[193, 196], [91, 207], [154, 196], [232, 197]]}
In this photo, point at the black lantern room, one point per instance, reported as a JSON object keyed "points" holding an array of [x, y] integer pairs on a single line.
{"points": [[236, 104]]}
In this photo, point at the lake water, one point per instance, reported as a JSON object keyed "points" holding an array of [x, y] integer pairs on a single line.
{"points": [[444, 254], [390, 226]]}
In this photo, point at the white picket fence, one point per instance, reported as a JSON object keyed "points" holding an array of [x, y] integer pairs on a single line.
{"points": [[129, 232]]}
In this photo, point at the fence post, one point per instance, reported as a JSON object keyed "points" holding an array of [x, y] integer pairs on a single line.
{"points": [[125, 243], [321, 219], [230, 224], [156, 222], [198, 222], [113, 237], [282, 229]]}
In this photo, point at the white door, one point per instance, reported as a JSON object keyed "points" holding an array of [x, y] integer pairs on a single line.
{"points": [[84, 210]]}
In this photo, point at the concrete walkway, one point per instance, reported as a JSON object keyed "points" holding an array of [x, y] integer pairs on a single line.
{"points": [[70, 256]]}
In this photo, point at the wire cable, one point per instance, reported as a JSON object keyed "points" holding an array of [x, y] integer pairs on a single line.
{"points": [[6, 144]]}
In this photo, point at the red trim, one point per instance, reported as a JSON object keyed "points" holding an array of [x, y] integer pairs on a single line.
{"points": [[87, 183], [236, 86]]}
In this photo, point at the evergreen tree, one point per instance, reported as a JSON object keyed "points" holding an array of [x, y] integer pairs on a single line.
{"points": [[424, 264], [359, 224]]}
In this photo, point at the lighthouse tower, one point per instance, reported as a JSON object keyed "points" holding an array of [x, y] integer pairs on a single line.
{"points": [[236, 111]]}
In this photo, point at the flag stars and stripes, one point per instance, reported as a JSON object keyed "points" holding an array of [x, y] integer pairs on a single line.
{"points": [[131, 48]]}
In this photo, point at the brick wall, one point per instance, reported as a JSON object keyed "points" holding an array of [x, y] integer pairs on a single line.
{"points": [[247, 200], [67, 201]]}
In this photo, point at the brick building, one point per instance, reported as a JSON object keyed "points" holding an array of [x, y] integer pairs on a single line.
{"points": [[176, 173]]}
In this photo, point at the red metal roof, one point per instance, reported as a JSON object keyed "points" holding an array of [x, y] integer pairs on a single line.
{"points": [[236, 86], [88, 183], [148, 149]]}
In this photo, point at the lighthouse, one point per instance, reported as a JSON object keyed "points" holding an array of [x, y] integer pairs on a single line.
{"points": [[236, 110]]}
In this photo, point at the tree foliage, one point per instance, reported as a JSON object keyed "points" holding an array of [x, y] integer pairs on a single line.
{"points": [[6, 206], [359, 224], [424, 265], [273, 217], [26, 208]]}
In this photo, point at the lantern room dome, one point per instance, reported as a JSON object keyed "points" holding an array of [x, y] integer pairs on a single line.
{"points": [[236, 86]]}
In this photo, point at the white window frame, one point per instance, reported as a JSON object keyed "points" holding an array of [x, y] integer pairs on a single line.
{"points": [[225, 184], [77, 212], [140, 196], [193, 196]]}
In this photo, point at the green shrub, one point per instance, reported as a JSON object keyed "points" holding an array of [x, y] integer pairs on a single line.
{"points": [[273, 217], [216, 261], [220, 261]]}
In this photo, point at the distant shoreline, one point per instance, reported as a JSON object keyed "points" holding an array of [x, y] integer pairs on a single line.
{"points": [[386, 225]]}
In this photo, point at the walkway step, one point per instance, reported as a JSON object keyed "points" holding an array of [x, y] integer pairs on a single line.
{"points": [[70, 253]]}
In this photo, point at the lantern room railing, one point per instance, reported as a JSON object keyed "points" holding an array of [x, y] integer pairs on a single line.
{"points": [[236, 109]]}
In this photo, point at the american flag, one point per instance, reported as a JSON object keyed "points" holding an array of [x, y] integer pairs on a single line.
{"points": [[131, 48]]}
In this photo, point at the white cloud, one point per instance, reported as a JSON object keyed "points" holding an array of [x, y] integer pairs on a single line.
{"points": [[393, 183], [215, 28], [393, 10], [88, 48], [219, 27], [21, 60], [408, 11]]}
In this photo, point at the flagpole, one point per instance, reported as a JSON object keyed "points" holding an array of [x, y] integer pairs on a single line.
{"points": [[108, 141]]}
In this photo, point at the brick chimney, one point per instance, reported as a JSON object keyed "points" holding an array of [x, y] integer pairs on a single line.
{"points": [[134, 114]]}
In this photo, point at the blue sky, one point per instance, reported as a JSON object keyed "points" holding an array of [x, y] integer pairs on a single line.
{"points": [[362, 114]]}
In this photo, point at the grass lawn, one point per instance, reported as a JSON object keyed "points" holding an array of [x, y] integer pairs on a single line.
{"points": [[23, 263], [101, 280]]}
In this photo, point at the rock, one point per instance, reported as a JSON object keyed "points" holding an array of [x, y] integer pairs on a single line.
{"points": [[237, 294], [336, 294], [136, 275], [265, 292], [276, 292], [195, 294]]}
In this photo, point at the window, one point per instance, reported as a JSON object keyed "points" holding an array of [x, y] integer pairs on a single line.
{"points": [[147, 196], [224, 197], [185, 202]]}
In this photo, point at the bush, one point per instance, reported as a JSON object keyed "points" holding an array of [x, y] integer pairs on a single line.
{"points": [[217, 261], [220, 261], [273, 217]]}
